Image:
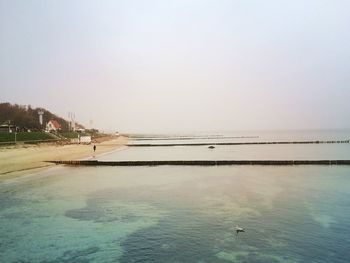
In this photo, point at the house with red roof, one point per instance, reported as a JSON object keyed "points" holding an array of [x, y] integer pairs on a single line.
{"points": [[53, 125]]}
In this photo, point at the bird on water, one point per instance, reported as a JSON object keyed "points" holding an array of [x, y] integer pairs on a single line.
{"points": [[239, 229]]}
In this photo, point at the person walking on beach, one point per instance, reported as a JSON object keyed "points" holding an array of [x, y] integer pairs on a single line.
{"points": [[94, 148]]}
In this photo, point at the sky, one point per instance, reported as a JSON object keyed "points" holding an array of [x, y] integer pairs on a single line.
{"points": [[180, 66]]}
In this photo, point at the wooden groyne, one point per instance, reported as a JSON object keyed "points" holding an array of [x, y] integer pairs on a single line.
{"points": [[232, 143], [192, 138], [201, 162]]}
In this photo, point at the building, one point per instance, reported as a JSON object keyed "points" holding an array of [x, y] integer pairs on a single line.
{"points": [[79, 128], [53, 125], [8, 127], [85, 139]]}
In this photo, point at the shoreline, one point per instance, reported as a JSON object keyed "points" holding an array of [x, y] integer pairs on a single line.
{"points": [[18, 161]]}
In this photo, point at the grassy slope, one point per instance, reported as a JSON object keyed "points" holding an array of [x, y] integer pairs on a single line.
{"points": [[72, 135], [25, 136], [69, 135]]}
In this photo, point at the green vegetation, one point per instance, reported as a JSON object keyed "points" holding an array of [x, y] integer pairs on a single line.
{"points": [[25, 136], [69, 135], [94, 133], [25, 117], [72, 134]]}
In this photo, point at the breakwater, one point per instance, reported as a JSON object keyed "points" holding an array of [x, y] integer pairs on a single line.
{"points": [[201, 162], [232, 143], [192, 138]]}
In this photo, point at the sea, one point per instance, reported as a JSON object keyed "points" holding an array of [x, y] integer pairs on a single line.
{"points": [[174, 214]]}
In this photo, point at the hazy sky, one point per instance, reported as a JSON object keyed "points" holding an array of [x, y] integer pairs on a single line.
{"points": [[180, 66]]}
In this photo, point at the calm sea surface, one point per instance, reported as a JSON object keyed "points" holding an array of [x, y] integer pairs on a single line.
{"points": [[185, 214]]}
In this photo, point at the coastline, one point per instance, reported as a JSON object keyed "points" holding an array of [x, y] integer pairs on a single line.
{"points": [[17, 161]]}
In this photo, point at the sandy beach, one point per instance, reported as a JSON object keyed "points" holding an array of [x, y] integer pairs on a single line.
{"points": [[18, 160]]}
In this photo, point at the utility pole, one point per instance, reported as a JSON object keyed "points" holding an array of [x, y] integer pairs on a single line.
{"points": [[69, 121]]}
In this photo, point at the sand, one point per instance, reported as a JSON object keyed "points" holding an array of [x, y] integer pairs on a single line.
{"points": [[18, 160]]}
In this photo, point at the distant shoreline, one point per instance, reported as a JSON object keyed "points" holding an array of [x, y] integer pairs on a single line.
{"points": [[17, 161]]}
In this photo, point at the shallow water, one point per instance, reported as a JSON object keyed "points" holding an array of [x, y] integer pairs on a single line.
{"points": [[256, 136], [235, 152], [177, 214], [245, 152]]}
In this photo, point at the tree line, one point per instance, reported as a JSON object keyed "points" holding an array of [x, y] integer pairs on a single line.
{"points": [[26, 118]]}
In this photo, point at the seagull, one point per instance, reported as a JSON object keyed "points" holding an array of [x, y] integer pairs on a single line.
{"points": [[239, 229]]}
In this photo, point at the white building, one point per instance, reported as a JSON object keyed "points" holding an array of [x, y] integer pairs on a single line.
{"points": [[53, 125]]}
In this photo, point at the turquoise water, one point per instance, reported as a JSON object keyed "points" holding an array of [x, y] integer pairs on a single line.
{"points": [[177, 214]]}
